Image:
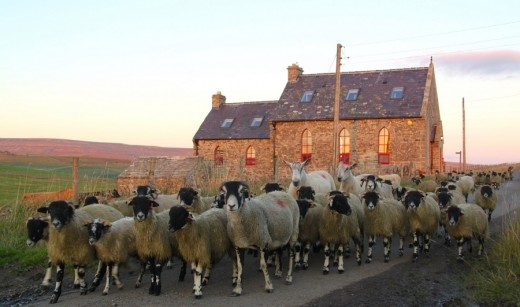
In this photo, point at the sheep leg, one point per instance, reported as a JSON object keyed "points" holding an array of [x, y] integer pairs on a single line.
{"points": [[278, 263], [158, 270], [288, 279], [386, 248], [427, 244], [151, 290], [76, 280], [470, 246], [237, 290], [489, 214], [115, 275], [339, 253], [82, 283], [169, 265], [359, 250], [207, 273], [401, 246], [306, 252], [59, 280], [182, 273], [326, 253], [371, 242], [346, 252], [415, 246], [197, 279], [460, 244], [263, 267], [297, 260], [108, 277], [100, 273], [48, 274], [480, 245], [141, 274]]}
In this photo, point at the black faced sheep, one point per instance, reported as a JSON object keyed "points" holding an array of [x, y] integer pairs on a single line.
{"points": [[486, 197], [193, 202]]}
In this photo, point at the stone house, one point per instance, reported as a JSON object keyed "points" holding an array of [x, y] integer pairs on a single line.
{"points": [[389, 121]]}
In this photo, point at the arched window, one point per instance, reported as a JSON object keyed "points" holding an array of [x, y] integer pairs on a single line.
{"points": [[344, 146], [250, 156], [384, 144], [219, 156], [306, 145]]}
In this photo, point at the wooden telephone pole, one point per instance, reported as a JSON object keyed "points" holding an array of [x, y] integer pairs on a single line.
{"points": [[335, 149]]}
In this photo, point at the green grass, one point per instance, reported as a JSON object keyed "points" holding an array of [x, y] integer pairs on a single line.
{"points": [[496, 281]]}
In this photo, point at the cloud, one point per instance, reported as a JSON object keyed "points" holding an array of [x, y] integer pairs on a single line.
{"points": [[497, 62]]}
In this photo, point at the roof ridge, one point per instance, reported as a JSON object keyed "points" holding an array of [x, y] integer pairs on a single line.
{"points": [[369, 71], [251, 102]]}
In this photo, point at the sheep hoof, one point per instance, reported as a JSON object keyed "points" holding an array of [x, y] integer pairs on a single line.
{"points": [[234, 294], [341, 271], [460, 259], [269, 290], [305, 266], [198, 296], [76, 286], [105, 293], [204, 282], [54, 299], [325, 272], [401, 253], [368, 260], [83, 291]]}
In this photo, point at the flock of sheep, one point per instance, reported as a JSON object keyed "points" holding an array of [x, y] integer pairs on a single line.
{"points": [[313, 214]]}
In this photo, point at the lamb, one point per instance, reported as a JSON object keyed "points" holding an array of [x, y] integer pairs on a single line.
{"points": [[384, 217], [467, 221], [154, 242], [337, 226], [320, 181], [114, 243], [423, 217], [348, 183], [465, 184], [68, 240], [202, 241], [193, 202], [266, 222], [486, 198]]}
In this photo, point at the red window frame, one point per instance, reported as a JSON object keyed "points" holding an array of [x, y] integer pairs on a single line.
{"points": [[383, 154], [344, 147], [250, 156], [344, 157], [306, 152], [219, 156]]}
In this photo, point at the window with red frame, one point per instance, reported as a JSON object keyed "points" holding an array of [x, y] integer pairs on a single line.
{"points": [[383, 154], [250, 156], [344, 147], [306, 145], [219, 156]]}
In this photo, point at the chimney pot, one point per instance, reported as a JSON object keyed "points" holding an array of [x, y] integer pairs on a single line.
{"points": [[217, 100], [294, 71]]}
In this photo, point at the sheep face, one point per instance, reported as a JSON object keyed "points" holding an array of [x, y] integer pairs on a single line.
{"points": [[444, 199], [454, 215], [179, 217], [60, 211], [187, 196], [413, 199], [399, 192], [339, 203], [370, 183], [36, 230], [486, 191], [345, 171], [219, 201], [235, 193], [89, 200], [272, 186], [142, 206], [370, 199], [146, 190], [297, 169], [96, 228], [304, 205], [306, 193]]}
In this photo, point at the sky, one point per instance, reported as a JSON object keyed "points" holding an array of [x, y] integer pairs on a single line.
{"points": [[143, 72]]}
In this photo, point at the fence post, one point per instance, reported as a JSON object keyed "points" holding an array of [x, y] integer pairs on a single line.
{"points": [[75, 180]]}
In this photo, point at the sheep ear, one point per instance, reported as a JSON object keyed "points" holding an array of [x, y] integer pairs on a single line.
{"points": [[353, 165], [263, 187], [154, 203], [312, 204], [43, 210], [288, 163]]}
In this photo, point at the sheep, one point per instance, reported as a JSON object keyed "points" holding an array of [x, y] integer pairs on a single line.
{"points": [[465, 184], [321, 181], [202, 241], [89, 200], [399, 192], [486, 198], [193, 202], [114, 243], [38, 229], [446, 198], [467, 221], [384, 217], [337, 226], [272, 186], [395, 179], [372, 183], [68, 240], [425, 185], [154, 242], [348, 183], [423, 217], [266, 222]]}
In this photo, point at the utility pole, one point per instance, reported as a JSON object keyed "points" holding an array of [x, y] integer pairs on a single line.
{"points": [[75, 180], [458, 153], [335, 142], [463, 136]]}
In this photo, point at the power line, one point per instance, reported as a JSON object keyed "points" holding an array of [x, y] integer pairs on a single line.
{"points": [[493, 98]]}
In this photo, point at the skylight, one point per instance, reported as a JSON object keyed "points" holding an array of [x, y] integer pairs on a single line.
{"points": [[227, 123], [257, 121], [307, 96], [397, 92], [352, 94]]}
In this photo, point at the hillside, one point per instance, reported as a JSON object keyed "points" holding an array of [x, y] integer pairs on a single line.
{"points": [[72, 148]]}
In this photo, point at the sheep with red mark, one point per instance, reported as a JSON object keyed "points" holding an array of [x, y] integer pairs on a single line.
{"points": [[266, 222]]}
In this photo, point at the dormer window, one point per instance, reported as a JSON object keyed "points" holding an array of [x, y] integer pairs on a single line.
{"points": [[227, 123], [352, 94], [397, 92], [257, 122], [307, 96]]}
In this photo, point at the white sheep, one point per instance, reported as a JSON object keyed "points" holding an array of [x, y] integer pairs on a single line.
{"points": [[68, 240], [320, 181], [154, 243], [467, 221], [338, 224], [486, 197], [465, 184], [423, 217], [114, 243], [266, 222], [395, 179], [348, 183], [384, 217], [202, 241]]}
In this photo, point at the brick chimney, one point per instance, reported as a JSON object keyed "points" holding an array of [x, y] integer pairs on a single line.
{"points": [[217, 100], [294, 72]]}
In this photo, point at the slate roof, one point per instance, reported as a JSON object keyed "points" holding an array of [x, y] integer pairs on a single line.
{"points": [[373, 101], [242, 113]]}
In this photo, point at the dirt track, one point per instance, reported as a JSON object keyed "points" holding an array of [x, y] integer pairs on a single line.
{"points": [[399, 282]]}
